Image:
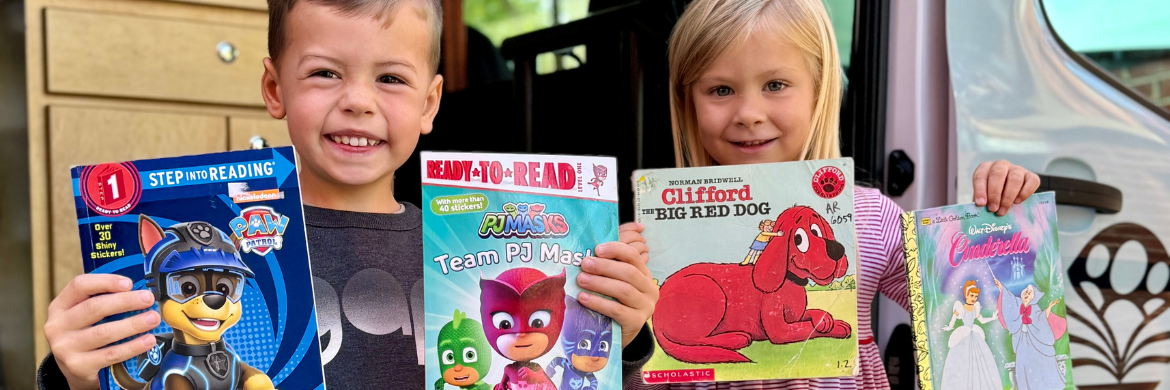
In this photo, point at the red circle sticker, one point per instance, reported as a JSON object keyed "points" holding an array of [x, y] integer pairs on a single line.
{"points": [[111, 189], [828, 182]]}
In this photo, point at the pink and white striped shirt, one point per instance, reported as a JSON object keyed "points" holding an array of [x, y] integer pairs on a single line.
{"points": [[882, 267]]}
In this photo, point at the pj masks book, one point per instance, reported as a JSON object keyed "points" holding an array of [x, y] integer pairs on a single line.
{"points": [[504, 236], [219, 239], [987, 297], [757, 270]]}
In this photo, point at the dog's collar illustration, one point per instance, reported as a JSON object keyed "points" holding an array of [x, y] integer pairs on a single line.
{"points": [[197, 350]]}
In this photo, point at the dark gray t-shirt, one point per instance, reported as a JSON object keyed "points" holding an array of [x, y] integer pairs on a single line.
{"points": [[367, 278]]}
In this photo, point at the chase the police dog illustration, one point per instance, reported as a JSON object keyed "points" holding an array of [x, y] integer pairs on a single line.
{"points": [[197, 278]]}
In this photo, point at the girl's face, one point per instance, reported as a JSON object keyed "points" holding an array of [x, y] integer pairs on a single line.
{"points": [[755, 103]]}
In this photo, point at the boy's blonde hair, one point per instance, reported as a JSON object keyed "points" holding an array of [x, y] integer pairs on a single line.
{"points": [[709, 28], [430, 10]]}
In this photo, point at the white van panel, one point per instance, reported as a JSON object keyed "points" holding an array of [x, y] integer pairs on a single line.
{"points": [[1019, 96]]}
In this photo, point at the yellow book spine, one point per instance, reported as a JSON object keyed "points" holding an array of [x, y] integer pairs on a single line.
{"points": [[917, 302]]}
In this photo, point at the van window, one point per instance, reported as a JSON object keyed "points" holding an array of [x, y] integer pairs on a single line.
{"points": [[841, 14], [1128, 38], [502, 19]]}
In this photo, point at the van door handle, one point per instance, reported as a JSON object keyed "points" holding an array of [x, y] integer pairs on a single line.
{"points": [[1104, 198]]}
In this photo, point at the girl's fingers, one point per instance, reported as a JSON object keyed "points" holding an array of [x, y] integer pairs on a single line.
{"points": [[1011, 189], [979, 183], [624, 315], [1031, 183], [104, 334], [995, 183]]}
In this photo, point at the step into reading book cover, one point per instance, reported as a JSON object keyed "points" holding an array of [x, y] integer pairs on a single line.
{"points": [[987, 297], [757, 267], [220, 241], [503, 240]]}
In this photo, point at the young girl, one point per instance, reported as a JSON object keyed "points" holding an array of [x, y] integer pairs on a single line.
{"points": [[759, 81]]}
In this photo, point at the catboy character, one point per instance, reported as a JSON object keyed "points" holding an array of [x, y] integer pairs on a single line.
{"points": [[197, 278], [523, 310], [586, 338]]}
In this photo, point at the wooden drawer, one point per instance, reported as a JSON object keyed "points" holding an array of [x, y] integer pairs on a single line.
{"points": [[242, 129], [249, 4], [108, 54], [80, 136]]}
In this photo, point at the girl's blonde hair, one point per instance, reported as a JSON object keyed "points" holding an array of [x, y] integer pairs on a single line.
{"points": [[709, 28]]}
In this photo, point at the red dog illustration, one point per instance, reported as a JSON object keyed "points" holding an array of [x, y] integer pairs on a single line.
{"points": [[707, 311]]}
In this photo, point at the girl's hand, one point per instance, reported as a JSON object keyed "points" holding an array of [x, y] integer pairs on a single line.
{"points": [[999, 185], [619, 271]]}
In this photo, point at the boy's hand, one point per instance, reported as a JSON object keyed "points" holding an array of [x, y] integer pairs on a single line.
{"points": [[999, 184], [619, 271], [77, 344]]}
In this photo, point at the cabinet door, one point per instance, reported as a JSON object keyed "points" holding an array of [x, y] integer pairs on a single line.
{"points": [[80, 136], [241, 130], [107, 54]]}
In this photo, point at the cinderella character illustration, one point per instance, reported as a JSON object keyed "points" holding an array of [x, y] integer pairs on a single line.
{"points": [[969, 364], [1033, 334]]}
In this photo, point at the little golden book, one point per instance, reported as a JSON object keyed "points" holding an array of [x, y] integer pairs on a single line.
{"points": [[987, 297], [757, 266], [504, 236]]}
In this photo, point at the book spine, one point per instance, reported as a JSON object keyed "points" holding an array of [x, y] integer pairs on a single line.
{"points": [[917, 301]]}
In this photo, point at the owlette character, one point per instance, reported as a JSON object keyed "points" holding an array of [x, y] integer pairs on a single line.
{"points": [[523, 311], [587, 339], [464, 357], [599, 174]]}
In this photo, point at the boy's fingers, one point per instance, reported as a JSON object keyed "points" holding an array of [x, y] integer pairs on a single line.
{"points": [[631, 226], [1011, 189], [995, 181], [623, 253], [979, 183], [94, 309], [625, 272], [625, 293], [1031, 183], [623, 314], [84, 286], [630, 237], [119, 353], [103, 334]]}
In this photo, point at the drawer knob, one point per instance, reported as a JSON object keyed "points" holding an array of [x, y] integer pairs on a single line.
{"points": [[227, 52], [258, 142]]}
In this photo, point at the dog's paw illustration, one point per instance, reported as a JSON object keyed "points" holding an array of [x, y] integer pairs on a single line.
{"points": [[828, 184], [200, 231]]}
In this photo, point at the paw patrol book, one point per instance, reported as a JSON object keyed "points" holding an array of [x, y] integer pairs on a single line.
{"points": [[220, 241], [757, 268], [987, 297], [504, 236]]}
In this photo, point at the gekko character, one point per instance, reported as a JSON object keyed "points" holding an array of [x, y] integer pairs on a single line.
{"points": [[464, 354]]}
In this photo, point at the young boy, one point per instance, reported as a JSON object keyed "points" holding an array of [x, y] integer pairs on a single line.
{"points": [[357, 82]]}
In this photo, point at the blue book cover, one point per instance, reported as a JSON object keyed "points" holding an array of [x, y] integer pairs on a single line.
{"points": [[503, 241], [220, 240]]}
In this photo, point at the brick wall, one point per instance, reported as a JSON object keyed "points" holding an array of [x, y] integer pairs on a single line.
{"points": [[1148, 73]]}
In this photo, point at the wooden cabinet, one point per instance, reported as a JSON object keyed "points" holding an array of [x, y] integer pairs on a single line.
{"points": [[242, 130], [80, 136], [109, 54], [116, 80]]}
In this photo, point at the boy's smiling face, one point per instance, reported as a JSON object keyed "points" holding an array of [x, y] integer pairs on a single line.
{"points": [[357, 91]]}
